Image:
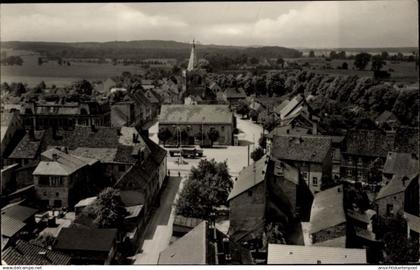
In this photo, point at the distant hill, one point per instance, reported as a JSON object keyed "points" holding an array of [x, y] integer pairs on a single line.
{"points": [[141, 49]]}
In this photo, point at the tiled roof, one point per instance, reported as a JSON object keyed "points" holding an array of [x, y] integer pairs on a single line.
{"points": [[401, 164], [291, 106], [277, 109], [407, 140], [6, 118], [386, 116], [327, 209], [24, 253], [104, 155], [10, 226], [19, 212], [64, 164], [27, 147], [151, 97], [292, 254], [367, 143], [301, 148], [397, 184], [189, 249], [195, 114], [249, 177], [86, 239], [102, 137], [235, 93]]}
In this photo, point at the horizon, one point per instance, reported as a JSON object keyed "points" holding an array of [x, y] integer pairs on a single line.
{"points": [[214, 44], [312, 25]]}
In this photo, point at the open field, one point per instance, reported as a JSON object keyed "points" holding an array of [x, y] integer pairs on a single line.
{"points": [[403, 71], [61, 75]]}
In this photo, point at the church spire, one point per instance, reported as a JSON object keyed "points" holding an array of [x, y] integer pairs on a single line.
{"points": [[192, 63]]}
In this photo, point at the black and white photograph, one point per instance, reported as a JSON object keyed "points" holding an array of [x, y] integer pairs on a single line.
{"points": [[210, 133]]}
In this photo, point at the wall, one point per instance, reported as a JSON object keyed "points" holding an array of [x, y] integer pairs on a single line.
{"points": [[225, 132], [397, 200], [329, 233], [246, 212], [7, 178], [50, 192]]}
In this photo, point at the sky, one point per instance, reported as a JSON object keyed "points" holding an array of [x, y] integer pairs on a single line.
{"points": [[316, 24]]}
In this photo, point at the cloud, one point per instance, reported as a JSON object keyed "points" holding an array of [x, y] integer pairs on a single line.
{"points": [[293, 24]]}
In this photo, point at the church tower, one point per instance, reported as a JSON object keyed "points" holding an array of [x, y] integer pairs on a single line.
{"points": [[192, 63]]}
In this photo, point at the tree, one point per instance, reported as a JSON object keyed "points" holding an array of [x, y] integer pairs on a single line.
{"points": [[83, 87], [18, 89], [213, 135], [257, 154], [208, 186], [107, 211], [269, 123], [361, 60], [46, 240], [164, 135], [311, 53], [243, 108], [344, 65], [280, 62], [397, 248], [5, 88], [377, 63], [254, 60], [384, 55]]}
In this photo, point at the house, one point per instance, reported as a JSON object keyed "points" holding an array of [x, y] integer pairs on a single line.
{"points": [[122, 113], [190, 124], [8, 180], [233, 96], [115, 148], [265, 191], [292, 254], [24, 253], [205, 245], [363, 224], [107, 85], [312, 155], [65, 114], [247, 202], [16, 220], [397, 195], [143, 182], [294, 106], [60, 179], [143, 109], [28, 150], [399, 164], [328, 223], [362, 148], [87, 245], [388, 120], [11, 123]]}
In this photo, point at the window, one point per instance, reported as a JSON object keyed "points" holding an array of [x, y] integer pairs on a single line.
{"points": [[57, 203], [57, 194], [314, 181], [389, 209], [223, 128], [43, 181], [56, 181]]}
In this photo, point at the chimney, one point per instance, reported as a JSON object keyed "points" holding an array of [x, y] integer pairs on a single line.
{"points": [[55, 156], [226, 250], [339, 189]]}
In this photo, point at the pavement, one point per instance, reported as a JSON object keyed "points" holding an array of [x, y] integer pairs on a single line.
{"points": [[158, 231]]}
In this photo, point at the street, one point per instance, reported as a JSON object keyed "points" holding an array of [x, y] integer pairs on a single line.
{"points": [[159, 229]]}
